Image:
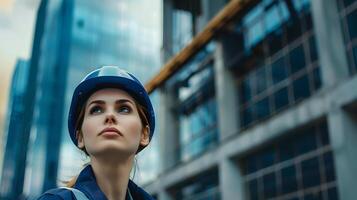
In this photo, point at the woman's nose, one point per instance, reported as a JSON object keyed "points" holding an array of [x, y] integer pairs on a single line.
{"points": [[110, 118]]}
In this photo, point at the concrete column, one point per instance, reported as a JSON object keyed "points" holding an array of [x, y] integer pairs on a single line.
{"points": [[329, 42], [169, 126], [226, 96], [230, 179], [343, 137]]}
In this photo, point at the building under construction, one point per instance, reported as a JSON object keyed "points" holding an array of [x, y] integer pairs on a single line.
{"points": [[258, 100]]}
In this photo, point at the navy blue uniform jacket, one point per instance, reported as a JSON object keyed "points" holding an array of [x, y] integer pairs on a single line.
{"points": [[87, 184]]}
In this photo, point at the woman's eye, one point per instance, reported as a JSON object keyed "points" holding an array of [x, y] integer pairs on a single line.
{"points": [[124, 109], [96, 110]]}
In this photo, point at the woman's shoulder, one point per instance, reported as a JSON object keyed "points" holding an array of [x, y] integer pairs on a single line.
{"points": [[57, 194]]}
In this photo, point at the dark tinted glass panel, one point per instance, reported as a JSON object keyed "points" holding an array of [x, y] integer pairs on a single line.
{"points": [[251, 164], [262, 108], [293, 29], [279, 70], [210, 138], [246, 90], [313, 196], [316, 78], [247, 116], [286, 150], [355, 58], [313, 50], [301, 88], [324, 137], [348, 2], [352, 24], [261, 80], [306, 142], [253, 189], [275, 41], [308, 21], [281, 98], [288, 180], [293, 198], [267, 158], [297, 59], [310, 173], [332, 194], [329, 167], [269, 185]]}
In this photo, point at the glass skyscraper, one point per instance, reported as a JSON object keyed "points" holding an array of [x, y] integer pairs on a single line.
{"points": [[72, 38], [13, 163]]}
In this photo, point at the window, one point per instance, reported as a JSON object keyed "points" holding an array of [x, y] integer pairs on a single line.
{"points": [[281, 99], [182, 29], [196, 106], [301, 88], [297, 59], [200, 130], [288, 180], [278, 66], [185, 20], [348, 15], [299, 164], [279, 70], [202, 187]]}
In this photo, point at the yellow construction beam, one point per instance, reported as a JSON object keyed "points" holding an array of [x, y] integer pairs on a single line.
{"points": [[226, 15]]}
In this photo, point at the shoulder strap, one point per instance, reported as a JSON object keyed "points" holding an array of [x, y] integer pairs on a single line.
{"points": [[81, 196], [129, 195], [77, 193]]}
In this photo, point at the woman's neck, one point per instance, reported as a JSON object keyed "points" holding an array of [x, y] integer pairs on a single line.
{"points": [[112, 177]]}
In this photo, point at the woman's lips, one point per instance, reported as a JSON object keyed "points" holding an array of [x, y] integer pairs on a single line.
{"points": [[110, 131]]}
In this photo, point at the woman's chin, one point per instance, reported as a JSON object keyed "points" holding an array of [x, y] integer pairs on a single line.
{"points": [[113, 150]]}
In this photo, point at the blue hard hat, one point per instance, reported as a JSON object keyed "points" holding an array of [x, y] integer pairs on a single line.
{"points": [[108, 77]]}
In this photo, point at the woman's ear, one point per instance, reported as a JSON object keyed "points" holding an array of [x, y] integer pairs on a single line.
{"points": [[145, 135], [80, 141]]}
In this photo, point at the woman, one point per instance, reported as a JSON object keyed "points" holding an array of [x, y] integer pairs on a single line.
{"points": [[111, 119]]}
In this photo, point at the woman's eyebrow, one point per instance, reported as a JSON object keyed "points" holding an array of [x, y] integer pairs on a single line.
{"points": [[96, 102], [120, 101]]}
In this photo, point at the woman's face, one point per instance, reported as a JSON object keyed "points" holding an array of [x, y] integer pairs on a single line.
{"points": [[112, 124]]}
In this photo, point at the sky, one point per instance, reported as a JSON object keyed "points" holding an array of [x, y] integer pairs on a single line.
{"points": [[17, 19]]}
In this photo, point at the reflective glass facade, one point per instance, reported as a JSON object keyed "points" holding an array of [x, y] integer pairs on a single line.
{"points": [[51, 61], [196, 106], [182, 29], [278, 59], [300, 166], [348, 15], [189, 18], [12, 169], [112, 33]]}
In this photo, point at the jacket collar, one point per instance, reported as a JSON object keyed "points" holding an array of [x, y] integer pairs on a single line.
{"points": [[87, 183]]}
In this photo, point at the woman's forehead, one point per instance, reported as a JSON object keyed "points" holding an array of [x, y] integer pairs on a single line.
{"points": [[110, 94]]}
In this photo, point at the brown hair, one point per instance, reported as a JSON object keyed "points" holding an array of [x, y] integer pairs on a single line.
{"points": [[143, 113]]}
